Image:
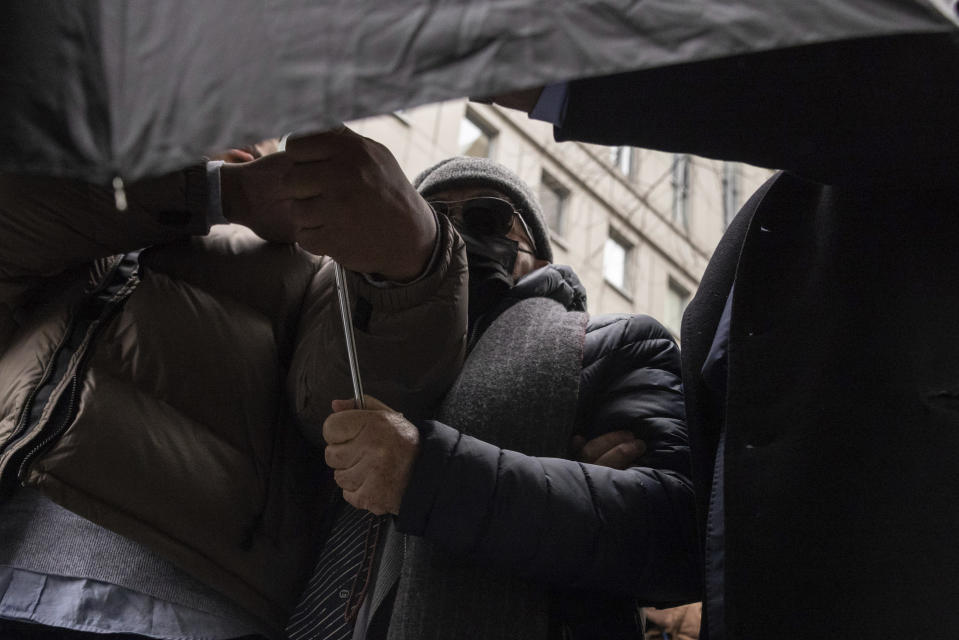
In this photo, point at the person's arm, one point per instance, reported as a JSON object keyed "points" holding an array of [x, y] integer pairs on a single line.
{"points": [[334, 193], [410, 339], [572, 524], [863, 111], [410, 334], [577, 525], [337, 194], [52, 225]]}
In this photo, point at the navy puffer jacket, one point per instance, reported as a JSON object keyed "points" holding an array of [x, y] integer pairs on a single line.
{"points": [[631, 532]]}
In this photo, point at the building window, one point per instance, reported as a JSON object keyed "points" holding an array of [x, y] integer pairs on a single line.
{"points": [[476, 137], [677, 297], [553, 198], [622, 159], [731, 190], [616, 258], [681, 187]]}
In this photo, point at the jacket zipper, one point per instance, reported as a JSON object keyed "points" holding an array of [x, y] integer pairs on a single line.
{"points": [[103, 301], [44, 378], [21, 470], [74, 392]]}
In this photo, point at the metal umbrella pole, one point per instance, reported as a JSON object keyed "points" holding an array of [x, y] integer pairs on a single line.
{"points": [[343, 294]]}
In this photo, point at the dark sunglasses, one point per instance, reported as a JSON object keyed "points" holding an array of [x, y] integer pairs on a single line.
{"points": [[483, 216]]}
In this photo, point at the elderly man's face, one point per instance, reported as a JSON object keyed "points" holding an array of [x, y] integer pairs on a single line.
{"points": [[526, 261]]}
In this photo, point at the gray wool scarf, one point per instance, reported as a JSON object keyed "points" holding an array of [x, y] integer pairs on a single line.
{"points": [[518, 390]]}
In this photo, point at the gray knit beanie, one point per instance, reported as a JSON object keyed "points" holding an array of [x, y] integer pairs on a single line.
{"points": [[467, 171]]}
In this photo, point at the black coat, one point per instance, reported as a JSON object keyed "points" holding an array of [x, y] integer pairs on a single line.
{"points": [[842, 409], [628, 538]]}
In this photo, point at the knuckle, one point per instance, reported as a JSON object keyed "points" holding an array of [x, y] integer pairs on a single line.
{"points": [[363, 501], [344, 483]]}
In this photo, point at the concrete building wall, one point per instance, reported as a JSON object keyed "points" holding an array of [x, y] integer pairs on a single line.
{"points": [[640, 204]]}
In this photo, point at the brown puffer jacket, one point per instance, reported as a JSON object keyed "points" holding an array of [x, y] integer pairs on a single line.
{"points": [[166, 406]]}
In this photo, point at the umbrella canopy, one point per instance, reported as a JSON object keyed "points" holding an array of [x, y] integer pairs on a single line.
{"points": [[100, 89]]}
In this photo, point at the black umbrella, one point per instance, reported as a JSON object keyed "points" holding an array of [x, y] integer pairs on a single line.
{"points": [[100, 89]]}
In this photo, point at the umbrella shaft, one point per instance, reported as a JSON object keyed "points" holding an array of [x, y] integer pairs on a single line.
{"points": [[344, 298]]}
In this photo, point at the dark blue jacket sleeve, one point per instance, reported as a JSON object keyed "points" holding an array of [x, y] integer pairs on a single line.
{"points": [[567, 523], [837, 113]]}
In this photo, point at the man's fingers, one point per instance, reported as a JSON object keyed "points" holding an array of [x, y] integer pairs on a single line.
{"points": [[354, 498], [622, 456], [370, 403], [333, 180], [599, 445], [308, 180], [350, 479], [342, 456], [617, 449], [524, 99], [344, 426], [233, 155], [360, 500], [373, 404], [317, 240], [346, 422], [321, 146], [344, 405]]}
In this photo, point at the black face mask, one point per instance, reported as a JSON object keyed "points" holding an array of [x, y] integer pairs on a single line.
{"points": [[491, 260]]}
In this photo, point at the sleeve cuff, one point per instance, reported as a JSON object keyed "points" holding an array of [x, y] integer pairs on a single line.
{"points": [[430, 265], [180, 200], [551, 106], [437, 443], [214, 206], [395, 297]]}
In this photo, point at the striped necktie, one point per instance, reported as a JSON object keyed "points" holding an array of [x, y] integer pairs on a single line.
{"points": [[327, 610]]}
